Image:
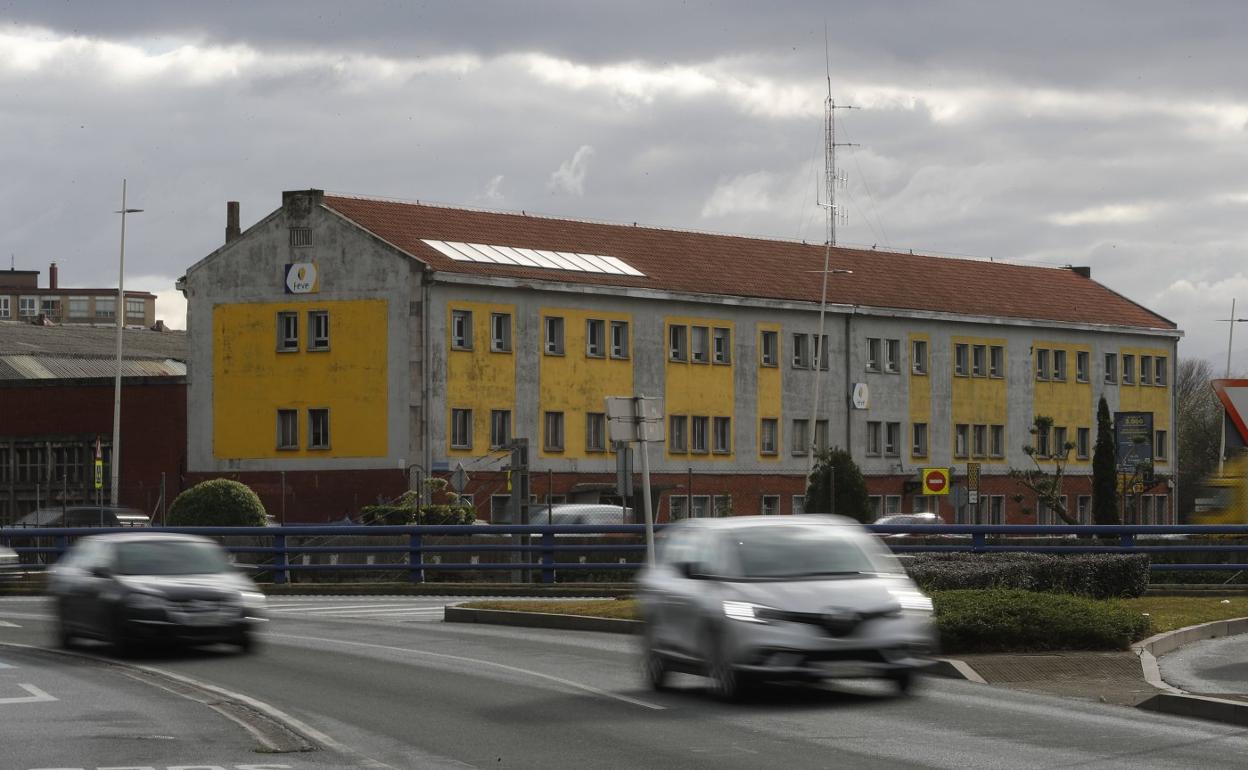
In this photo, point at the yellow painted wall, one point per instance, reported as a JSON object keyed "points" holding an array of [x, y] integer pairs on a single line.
{"points": [[1070, 403], [479, 379], [769, 392], [700, 389], [251, 380], [920, 391], [977, 400], [1148, 398], [576, 384]]}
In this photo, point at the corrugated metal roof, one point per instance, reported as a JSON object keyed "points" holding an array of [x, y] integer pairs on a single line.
{"points": [[51, 367], [71, 340]]}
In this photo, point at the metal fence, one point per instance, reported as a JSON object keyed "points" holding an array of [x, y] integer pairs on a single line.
{"points": [[507, 553]]}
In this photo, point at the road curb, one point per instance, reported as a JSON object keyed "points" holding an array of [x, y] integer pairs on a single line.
{"points": [[1172, 700]]}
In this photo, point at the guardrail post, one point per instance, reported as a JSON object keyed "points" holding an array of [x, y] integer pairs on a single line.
{"points": [[1127, 540], [979, 541], [62, 545], [416, 558], [548, 557], [280, 573]]}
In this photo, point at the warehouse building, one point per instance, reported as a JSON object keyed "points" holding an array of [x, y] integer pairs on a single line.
{"points": [[342, 348]]}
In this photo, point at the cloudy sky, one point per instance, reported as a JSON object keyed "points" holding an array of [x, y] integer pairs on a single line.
{"points": [[1103, 134]]}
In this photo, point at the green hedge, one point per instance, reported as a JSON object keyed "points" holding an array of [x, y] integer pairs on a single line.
{"points": [[1019, 620], [1098, 576], [217, 503], [428, 514]]}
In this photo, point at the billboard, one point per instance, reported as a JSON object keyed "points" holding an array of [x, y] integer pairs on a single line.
{"points": [[1133, 440]]}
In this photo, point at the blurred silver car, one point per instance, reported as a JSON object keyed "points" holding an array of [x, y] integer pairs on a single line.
{"points": [[137, 588], [751, 598], [10, 567]]}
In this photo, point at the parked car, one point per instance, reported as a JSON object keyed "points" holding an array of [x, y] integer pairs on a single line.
{"points": [[136, 588], [929, 519], [752, 598], [580, 513], [85, 516]]}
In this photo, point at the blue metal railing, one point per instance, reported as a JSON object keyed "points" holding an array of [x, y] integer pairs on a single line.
{"points": [[537, 549]]}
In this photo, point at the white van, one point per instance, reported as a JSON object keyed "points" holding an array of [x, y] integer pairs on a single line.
{"points": [[562, 514]]}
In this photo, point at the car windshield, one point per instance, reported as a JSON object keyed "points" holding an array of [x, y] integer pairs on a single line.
{"points": [[793, 552], [170, 557]]}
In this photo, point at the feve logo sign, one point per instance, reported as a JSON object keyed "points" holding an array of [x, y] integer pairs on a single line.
{"points": [[302, 278], [935, 481]]}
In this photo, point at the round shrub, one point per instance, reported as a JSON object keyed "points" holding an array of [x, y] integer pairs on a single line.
{"points": [[1018, 620], [217, 503]]}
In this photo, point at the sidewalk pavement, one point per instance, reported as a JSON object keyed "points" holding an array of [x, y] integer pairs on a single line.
{"points": [[1107, 677]]}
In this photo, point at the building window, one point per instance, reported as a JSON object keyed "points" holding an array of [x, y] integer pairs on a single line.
{"points": [[105, 307], [677, 343], [960, 354], [767, 430], [873, 438], [318, 429], [28, 307], [700, 426], [135, 308], [1159, 446], [996, 510], [595, 338], [892, 439], [979, 440], [619, 339], [287, 429], [1042, 364], [1059, 365], [799, 504], [461, 429], [1081, 365], [801, 351], [699, 344], [552, 441], [1111, 368], [1084, 508], [961, 437], [4, 307], [821, 435], [873, 354], [701, 506], [1146, 370], [500, 428], [1128, 369], [287, 331], [997, 448], [979, 362], [996, 361], [595, 432], [820, 348], [723, 435], [892, 356], [892, 505], [723, 505], [500, 332], [677, 507], [1159, 375], [1042, 442], [1059, 443], [461, 330], [801, 438], [918, 434], [318, 330], [918, 356], [1082, 441], [678, 433], [553, 330], [769, 343], [722, 346], [770, 505], [875, 506]]}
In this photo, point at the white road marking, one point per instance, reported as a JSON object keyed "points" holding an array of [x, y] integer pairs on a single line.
{"points": [[7, 624], [5, 665], [477, 661], [36, 696]]}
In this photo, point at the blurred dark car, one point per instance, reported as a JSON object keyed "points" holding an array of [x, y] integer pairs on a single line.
{"points": [[137, 588], [85, 516], [752, 598]]}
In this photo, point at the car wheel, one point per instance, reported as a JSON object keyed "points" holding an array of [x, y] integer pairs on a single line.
{"points": [[247, 642], [122, 644], [726, 682], [64, 637], [653, 666], [905, 681]]}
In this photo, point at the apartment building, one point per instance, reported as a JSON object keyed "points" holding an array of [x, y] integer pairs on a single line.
{"points": [[342, 348], [22, 299]]}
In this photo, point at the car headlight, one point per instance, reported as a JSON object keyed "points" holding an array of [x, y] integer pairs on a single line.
{"points": [[142, 601], [750, 613], [252, 599], [913, 601]]}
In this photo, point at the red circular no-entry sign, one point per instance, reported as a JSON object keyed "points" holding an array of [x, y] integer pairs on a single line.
{"points": [[935, 481]]}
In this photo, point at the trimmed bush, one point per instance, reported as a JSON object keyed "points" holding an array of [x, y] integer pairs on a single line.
{"points": [[1017, 620], [1094, 575], [217, 503], [427, 514]]}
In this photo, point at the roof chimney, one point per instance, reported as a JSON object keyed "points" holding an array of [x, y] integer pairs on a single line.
{"points": [[1085, 271], [52, 276], [231, 222]]}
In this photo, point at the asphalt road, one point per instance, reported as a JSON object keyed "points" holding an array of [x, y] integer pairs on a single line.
{"points": [[401, 690], [1209, 667]]}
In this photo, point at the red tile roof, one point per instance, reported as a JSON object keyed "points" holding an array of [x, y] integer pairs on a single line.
{"points": [[674, 260]]}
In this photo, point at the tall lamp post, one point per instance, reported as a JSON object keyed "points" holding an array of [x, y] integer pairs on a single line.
{"points": [[1230, 335], [115, 462]]}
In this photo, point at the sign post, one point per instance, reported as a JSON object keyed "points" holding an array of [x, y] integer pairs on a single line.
{"points": [[972, 485], [640, 419], [99, 479]]}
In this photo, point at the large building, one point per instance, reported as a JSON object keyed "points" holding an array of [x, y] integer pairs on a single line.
{"points": [[342, 347], [22, 299]]}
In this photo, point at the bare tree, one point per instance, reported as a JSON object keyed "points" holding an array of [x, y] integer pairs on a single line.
{"points": [[1199, 422], [1045, 480]]}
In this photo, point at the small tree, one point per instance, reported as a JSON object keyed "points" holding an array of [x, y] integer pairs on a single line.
{"points": [[217, 503], [444, 507], [1044, 483], [836, 486], [1104, 470]]}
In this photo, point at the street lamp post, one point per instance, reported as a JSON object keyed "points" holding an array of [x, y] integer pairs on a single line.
{"points": [[1230, 335], [115, 462]]}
